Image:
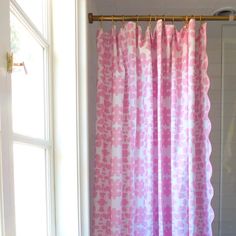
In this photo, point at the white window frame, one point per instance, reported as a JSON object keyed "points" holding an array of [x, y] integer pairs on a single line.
{"points": [[82, 66], [45, 42], [6, 162], [66, 169], [6, 171], [7, 194]]}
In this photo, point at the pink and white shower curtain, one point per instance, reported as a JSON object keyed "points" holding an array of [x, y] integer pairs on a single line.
{"points": [[152, 170]]}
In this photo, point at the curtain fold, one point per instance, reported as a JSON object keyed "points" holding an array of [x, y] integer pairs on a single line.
{"points": [[152, 169]]}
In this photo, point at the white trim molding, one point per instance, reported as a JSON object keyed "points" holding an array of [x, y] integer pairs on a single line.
{"points": [[82, 116]]}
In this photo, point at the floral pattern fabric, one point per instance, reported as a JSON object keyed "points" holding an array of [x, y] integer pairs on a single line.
{"points": [[152, 170]]}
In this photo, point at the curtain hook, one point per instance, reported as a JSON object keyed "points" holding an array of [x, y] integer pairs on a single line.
{"points": [[200, 19], [137, 19], [173, 19]]}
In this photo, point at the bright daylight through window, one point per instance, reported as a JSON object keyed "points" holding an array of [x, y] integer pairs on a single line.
{"points": [[32, 144]]}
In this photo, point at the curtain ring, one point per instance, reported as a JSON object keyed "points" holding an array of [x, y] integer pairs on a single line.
{"points": [[186, 21], [101, 19], [150, 20], [137, 19], [163, 19], [112, 18], [123, 20]]}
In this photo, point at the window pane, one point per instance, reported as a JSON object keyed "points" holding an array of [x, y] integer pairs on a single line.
{"points": [[35, 10], [27, 89], [30, 190]]}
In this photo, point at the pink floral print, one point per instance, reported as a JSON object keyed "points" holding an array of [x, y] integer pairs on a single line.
{"points": [[152, 170]]}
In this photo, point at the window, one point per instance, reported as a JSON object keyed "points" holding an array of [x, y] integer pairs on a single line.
{"points": [[25, 105], [31, 119], [32, 142]]}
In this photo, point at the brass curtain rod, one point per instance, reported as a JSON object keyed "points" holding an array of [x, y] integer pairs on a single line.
{"points": [[93, 18]]}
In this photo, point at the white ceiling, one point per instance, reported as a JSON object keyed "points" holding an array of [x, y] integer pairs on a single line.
{"points": [[181, 7]]}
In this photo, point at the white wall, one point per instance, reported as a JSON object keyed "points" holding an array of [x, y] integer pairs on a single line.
{"points": [[70, 88], [92, 78], [65, 118]]}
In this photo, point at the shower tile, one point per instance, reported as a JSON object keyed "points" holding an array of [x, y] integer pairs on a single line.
{"points": [[229, 188], [228, 201], [229, 68], [214, 70], [230, 83], [214, 113], [214, 44], [229, 98], [228, 227], [215, 135], [215, 108], [214, 56], [215, 225], [215, 95], [230, 58], [215, 83]]}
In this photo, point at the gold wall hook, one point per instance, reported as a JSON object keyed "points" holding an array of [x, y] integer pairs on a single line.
{"points": [[21, 64], [11, 64]]}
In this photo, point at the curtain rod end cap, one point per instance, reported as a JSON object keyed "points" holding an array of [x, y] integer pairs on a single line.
{"points": [[90, 18]]}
